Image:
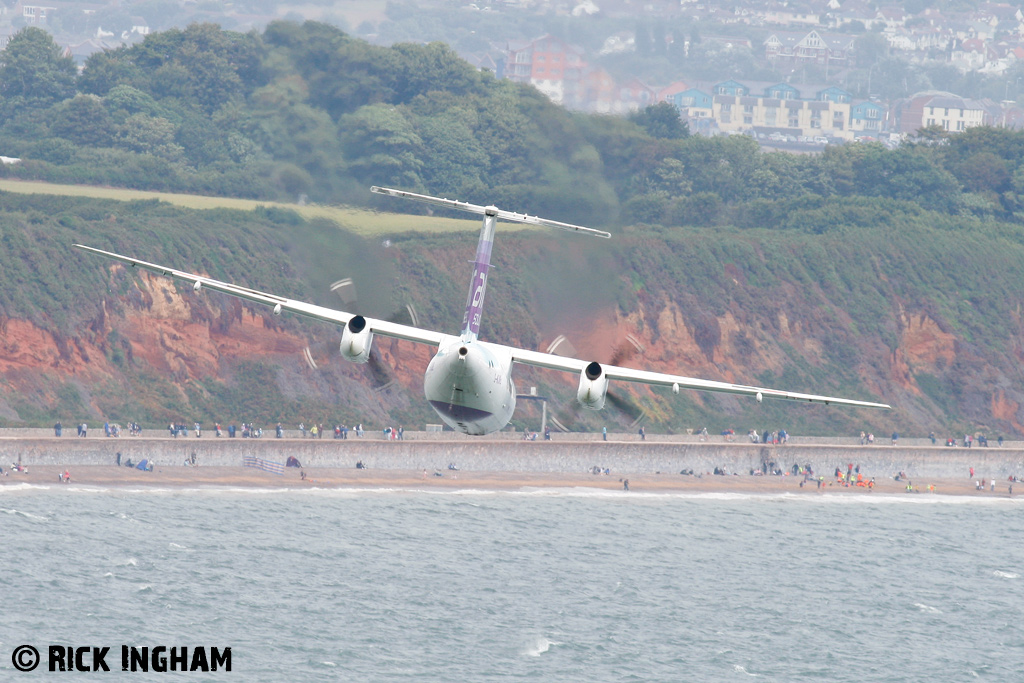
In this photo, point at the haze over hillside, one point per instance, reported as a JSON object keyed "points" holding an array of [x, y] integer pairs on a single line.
{"points": [[861, 271]]}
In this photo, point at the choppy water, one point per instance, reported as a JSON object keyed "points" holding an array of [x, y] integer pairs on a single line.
{"points": [[548, 585]]}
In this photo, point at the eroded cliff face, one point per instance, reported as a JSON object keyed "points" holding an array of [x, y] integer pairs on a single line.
{"points": [[187, 340]]}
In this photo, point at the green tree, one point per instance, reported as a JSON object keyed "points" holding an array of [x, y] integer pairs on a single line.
{"points": [[435, 66], [107, 69], [150, 135], [661, 120], [83, 120], [383, 146], [33, 67]]}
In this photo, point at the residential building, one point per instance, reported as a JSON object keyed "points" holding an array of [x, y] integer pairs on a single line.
{"points": [[950, 112], [549, 64], [778, 109], [809, 48], [867, 119]]}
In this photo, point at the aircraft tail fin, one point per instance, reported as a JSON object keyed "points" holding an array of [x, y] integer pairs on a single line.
{"points": [[482, 261]]}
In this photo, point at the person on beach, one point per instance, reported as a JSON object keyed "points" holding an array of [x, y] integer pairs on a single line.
{"points": [[625, 485]]}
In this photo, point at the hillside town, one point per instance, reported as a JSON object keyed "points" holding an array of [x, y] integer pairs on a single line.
{"points": [[819, 66], [987, 41]]}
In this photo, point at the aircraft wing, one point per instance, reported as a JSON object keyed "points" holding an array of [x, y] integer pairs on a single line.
{"points": [[278, 303], [676, 382]]}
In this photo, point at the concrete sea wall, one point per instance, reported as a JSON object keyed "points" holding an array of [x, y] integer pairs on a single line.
{"points": [[502, 455]]}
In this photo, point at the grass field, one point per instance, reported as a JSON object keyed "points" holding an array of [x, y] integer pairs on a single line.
{"points": [[360, 221]]}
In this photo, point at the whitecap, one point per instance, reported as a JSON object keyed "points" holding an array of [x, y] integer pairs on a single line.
{"points": [[1005, 575], [538, 646], [130, 562], [108, 574], [144, 588], [740, 670], [27, 515], [175, 546], [328, 663], [927, 608]]}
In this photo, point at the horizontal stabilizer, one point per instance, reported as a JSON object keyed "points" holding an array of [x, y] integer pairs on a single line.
{"points": [[490, 211]]}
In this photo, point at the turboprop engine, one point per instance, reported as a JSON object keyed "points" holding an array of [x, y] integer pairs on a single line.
{"points": [[356, 340], [593, 387]]}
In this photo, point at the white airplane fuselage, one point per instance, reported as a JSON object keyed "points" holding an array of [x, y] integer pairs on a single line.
{"points": [[469, 384]]}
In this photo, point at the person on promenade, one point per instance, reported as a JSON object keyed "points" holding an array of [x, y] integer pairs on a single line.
{"points": [[643, 437], [895, 437], [57, 429], [302, 430], [604, 433]]}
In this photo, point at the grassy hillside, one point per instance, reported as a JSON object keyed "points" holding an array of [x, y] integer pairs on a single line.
{"points": [[918, 310]]}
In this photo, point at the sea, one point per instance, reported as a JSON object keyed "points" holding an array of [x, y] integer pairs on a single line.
{"points": [[544, 585]]}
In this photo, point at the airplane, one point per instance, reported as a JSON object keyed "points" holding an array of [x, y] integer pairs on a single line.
{"points": [[468, 382]]}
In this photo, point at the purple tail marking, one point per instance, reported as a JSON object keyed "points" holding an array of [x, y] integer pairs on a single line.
{"points": [[477, 288]]}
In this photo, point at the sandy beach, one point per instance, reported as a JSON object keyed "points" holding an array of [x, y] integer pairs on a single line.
{"points": [[104, 476]]}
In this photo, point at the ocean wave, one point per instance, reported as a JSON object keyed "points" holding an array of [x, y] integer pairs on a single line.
{"points": [[927, 608], [537, 647], [613, 493], [1005, 575], [27, 515], [740, 670]]}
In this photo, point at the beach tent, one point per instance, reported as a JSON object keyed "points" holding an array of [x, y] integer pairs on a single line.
{"points": [[144, 465]]}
